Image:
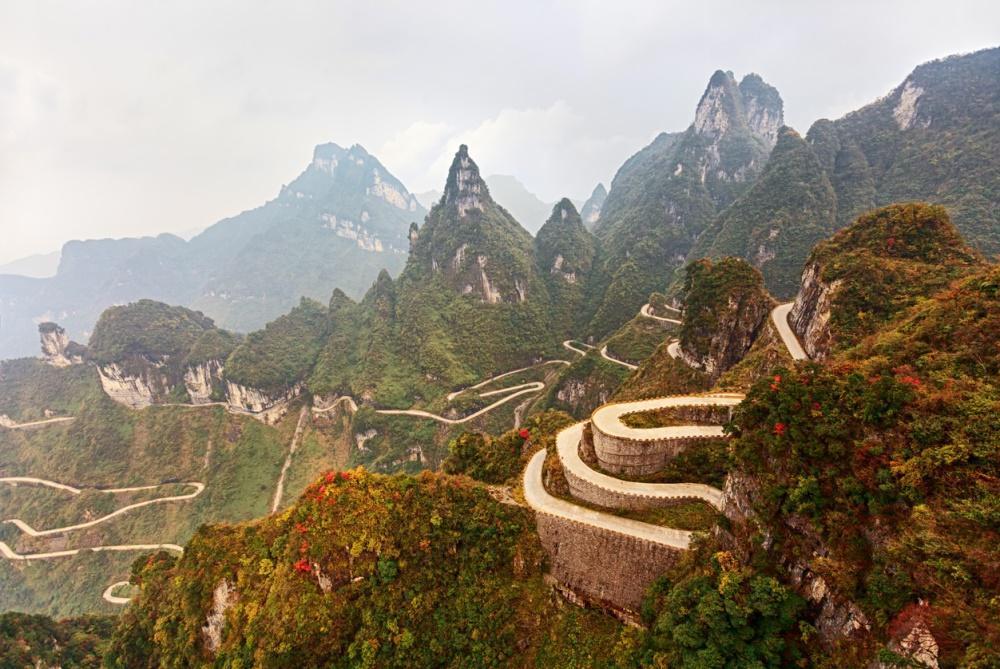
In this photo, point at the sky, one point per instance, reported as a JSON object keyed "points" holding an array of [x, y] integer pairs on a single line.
{"points": [[126, 118]]}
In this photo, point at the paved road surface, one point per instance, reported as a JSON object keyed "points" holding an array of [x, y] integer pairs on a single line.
{"points": [[780, 318], [542, 502]]}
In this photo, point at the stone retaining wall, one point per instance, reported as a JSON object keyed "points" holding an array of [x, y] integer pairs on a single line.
{"points": [[632, 457], [595, 494], [608, 569]]}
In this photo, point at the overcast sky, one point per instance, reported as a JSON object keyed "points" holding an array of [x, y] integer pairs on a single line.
{"points": [[129, 118]]}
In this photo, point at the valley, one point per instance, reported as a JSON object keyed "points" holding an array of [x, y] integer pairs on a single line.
{"points": [[739, 409]]}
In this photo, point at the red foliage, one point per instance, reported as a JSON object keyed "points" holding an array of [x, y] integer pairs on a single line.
{"points": [[303, 566], [345, 476], [301, 528], [523, 433], [779, 428], [330, 477]]}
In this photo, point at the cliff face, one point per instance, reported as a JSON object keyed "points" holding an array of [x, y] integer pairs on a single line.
{"points": [[591, 210], [136, 389], [810, 315], [726, 307], [57, 349]]}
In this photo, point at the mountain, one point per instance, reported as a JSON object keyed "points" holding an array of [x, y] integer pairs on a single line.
{"points": [[37, 266], [565, 252], [339, 223], [527, 208], [872, 270], [471, 296], [934, 137], [591, 210], [779, 219], [666, 195]]}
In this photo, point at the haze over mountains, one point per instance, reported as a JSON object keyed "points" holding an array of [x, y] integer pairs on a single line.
{"points": [[847, 517]]}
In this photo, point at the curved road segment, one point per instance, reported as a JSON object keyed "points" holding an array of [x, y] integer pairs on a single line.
{"points": [[29, 530], [11, 425], [779, 315], [607, 419]]}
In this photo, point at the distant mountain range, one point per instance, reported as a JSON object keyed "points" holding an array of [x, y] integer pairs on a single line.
{"points": [[37, 265], [337, 225]]}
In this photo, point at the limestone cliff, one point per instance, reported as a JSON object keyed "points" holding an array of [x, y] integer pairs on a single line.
{"points": [[726, 307], [810, 316], [201, 381], [266, 407], [135, 388], [57, 349], [591, 210]]}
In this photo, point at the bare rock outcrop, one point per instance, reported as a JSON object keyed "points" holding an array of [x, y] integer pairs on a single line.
{"points": [[223, 597], [810, 316], [726, 310], [57, 349], [267, 407], [201, 380], [136, 390]]}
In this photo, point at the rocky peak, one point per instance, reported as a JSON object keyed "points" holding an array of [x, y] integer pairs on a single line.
{"points": [[465, 188], [720, 106], [726, 307], [727, 106], [763, 107], [57, 349], [591, 211]]}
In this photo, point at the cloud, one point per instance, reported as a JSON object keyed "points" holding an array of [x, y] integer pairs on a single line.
{"points": [[411, 150], [550, 149]]}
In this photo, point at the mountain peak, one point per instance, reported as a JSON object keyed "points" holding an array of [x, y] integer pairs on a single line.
{"points": [[465, 188], [720, 106], [752, 104]]}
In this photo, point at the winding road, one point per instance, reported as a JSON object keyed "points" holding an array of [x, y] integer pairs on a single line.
{"points": [[10, 554], [647, 311], [114, 599], [7, 552], [11, 425], [530, 388], [596, 487], [779, 315], [29, 530]]}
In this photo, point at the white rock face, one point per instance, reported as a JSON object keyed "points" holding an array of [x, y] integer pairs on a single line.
{"points": [[199, 381], [491, 295], [387, 192], [905, 112], [810, 316], [919, 646], [710, 118], [348, 229], [362, 438], [223, 597], [328, 165], [763, 121], [135, 392], [266, 408], [54, 345], [469, 188], [557, 270]]}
